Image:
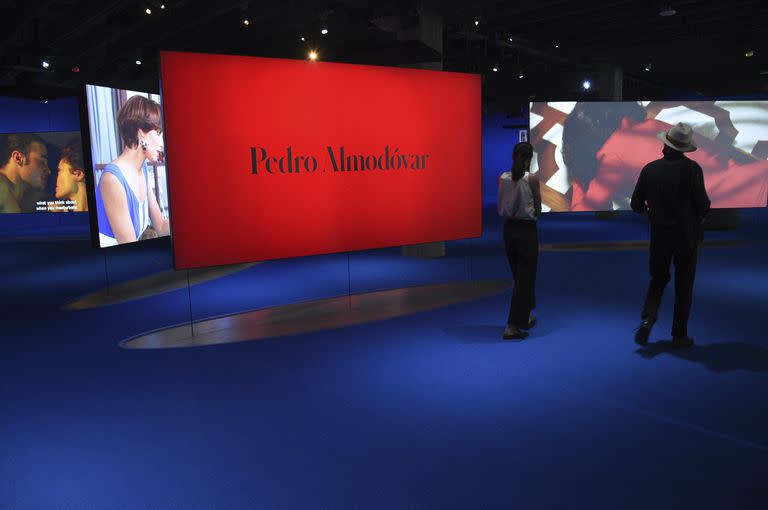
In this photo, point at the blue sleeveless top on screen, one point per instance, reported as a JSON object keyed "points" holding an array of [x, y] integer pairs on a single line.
{"points": [[139, 212]]}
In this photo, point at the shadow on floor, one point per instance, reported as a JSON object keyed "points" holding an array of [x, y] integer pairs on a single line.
{"points": [[719, 357]]}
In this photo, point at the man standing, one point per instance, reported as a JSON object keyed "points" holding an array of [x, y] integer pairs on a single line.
{"points": [[671, 190], [23, 166]]}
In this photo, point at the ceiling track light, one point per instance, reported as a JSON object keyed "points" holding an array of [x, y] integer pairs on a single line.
{"points": [[245, 13], [147, 11]]}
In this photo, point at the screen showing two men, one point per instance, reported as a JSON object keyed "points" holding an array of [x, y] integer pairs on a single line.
{"points": [[42, 172], [127, 152], [590, 154]]}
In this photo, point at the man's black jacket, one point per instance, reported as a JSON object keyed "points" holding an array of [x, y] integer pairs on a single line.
{"points": [[671, 190]]}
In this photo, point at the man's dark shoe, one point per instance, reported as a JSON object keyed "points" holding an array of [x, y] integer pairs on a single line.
{"points": [[681, 342], [514, 333], [643, 331]]}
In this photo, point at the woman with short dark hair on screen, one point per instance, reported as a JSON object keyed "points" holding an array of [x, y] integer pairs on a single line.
{"points": [[519, 202], [70, 180], [125, 205], [595, 183]]}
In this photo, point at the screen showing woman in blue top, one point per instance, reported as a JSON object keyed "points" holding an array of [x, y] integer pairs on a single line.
{"points": [[129, 168]]}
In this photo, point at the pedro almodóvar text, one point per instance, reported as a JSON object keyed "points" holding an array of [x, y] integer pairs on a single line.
{"points": [[336, 159]]}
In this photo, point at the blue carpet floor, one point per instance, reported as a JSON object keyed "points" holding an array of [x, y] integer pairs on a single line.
{"points": [[431, 410]]}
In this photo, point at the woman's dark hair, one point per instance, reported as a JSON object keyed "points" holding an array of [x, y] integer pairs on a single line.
{"points": [[138, 113], [72, 153], [522, 153], [585, 131]]}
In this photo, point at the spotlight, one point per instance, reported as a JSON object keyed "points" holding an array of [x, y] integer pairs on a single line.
{"points": [[75, 69], [510, 39], [45, 102], [312, 55], [495, 69], [648, 67], [45, 63], [557, 46], [749, 53], [324, 31], [246, 22], [303, 39], [521, 75], [162, 7], [667, 10], [586, 85], [148, 11], [138, 62], [477, 22]]}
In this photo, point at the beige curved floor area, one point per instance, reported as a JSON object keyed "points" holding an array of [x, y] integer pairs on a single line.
{"points": [[316, 315]]}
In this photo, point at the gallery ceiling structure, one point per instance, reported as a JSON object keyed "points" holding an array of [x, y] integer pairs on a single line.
{"points": [[544, 50]]}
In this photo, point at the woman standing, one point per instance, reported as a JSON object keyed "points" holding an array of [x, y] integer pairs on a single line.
{"points": [[520, 204], [124, 203]]}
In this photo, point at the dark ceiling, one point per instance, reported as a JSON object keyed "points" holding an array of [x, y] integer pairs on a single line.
{"points": [[700, 50]]}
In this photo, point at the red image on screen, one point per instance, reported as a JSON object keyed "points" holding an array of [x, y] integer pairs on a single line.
{"points": [[590, 154], [272, 158]]}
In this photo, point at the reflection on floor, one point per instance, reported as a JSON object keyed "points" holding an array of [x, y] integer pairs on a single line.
{"points": [[153, 284], [317, 315], [622, 245]]}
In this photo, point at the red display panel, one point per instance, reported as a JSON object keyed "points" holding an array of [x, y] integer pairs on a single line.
{"points": [[272, 158]]}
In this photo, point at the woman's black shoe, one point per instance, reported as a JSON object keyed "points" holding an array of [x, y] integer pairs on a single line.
{"points": [[531, 322], [643, 331], [514, 333]]}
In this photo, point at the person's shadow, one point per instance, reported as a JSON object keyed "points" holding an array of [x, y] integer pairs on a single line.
{"points": [[720, 357]]}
